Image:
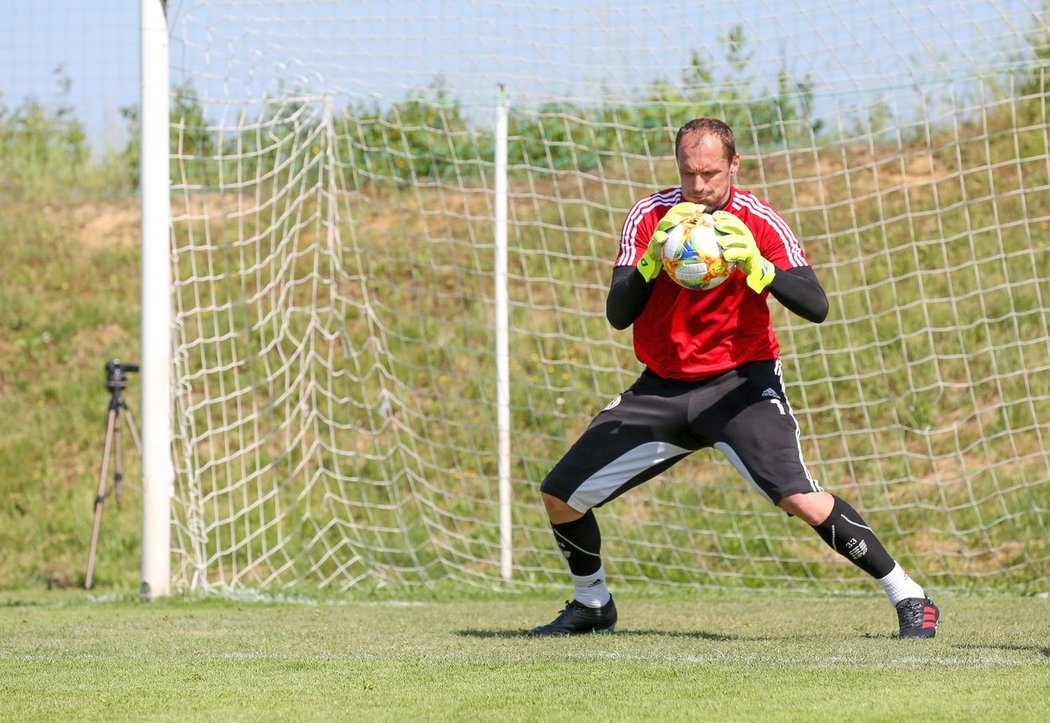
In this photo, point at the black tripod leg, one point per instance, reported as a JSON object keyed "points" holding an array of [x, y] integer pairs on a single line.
{"points": [[130, 420], [118, 466], [111, 424]]}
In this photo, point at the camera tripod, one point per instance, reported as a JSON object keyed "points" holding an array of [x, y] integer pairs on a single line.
{"points": [[116, 382]]}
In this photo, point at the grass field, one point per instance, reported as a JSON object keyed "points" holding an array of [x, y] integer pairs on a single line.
{"points": [[70, 302], [694, 656]]}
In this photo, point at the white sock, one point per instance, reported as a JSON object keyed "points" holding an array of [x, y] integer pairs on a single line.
{"points": [[898, 586], [591, 590]]}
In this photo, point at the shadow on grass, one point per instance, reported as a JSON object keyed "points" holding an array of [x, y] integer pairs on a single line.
{"points": [[698, 635]]}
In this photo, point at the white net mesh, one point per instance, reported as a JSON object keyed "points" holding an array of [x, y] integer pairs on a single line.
{"points": [[333, 252]]}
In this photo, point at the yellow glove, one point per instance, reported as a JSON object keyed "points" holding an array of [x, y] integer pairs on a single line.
{"points": [[738, 247], [651, 262]]}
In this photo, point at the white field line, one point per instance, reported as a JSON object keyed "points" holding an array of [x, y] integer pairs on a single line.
{"points": [[817, 660]]}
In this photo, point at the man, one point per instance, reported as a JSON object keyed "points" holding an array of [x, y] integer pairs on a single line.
{"points": [[712, 379]]}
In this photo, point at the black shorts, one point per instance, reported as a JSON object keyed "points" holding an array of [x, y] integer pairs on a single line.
{"points": [[743, 413]]}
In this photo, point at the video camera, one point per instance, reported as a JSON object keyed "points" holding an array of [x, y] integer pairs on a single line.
{"points": [[116, 378]]}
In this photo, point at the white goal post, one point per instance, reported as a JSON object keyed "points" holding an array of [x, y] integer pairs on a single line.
{"points": [[156, 368], [391, 232]]}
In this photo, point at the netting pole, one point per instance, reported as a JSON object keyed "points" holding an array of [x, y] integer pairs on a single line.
{"points": [[502, 340], [157, 470]]}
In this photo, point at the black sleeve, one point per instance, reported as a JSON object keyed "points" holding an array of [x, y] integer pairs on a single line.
{"points": [[628, 294], [799, 291]]}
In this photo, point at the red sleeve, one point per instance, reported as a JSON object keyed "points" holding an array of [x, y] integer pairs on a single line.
{"points": [[781, 247], [640, 223], [774, 237]]}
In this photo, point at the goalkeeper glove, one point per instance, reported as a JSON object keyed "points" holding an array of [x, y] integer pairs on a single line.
{"points": [[739, 248], [651, 262]]}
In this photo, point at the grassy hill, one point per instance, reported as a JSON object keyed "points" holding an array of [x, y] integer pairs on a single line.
{"points": [[69, 302], [938, 314]]}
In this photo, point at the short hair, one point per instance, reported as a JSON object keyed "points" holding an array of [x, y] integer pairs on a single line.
{"points": [[704, 127]]}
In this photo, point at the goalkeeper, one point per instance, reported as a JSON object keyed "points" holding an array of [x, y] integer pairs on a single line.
{"points": [[712, 378]]}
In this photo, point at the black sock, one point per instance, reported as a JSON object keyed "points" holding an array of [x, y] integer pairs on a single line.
{"points": [[581, 544], [847, 534]]}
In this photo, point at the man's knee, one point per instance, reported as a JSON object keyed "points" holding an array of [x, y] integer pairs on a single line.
{"points": [[559, 511], [810, 507]]}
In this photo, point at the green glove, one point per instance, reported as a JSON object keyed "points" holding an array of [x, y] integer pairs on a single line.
{"points": [[739, 248], [651, 262]]}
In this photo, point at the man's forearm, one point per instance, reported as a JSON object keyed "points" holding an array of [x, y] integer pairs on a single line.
{"points": [[797, 289], [800, 292], [628, 294]]}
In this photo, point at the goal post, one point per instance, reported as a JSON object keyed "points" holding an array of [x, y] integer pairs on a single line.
{"points": [[387, 286], [502, 324], [156, 368]]}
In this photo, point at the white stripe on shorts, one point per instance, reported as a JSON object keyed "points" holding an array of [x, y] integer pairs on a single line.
{"points": [[599, 486], [813, 484], [734, 458]]}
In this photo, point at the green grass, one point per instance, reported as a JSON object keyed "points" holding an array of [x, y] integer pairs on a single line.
{"points": [[691, 656]]}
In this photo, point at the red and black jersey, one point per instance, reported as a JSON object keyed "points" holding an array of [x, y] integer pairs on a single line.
{"points": [[691, 335]]}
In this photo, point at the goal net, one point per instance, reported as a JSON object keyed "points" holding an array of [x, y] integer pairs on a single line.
{"points": [[337, 182]]}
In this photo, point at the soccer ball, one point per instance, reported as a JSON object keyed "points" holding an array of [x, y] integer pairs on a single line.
{"points": [[692, 255]]}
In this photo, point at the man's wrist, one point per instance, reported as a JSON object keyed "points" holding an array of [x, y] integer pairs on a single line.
{"points": [[649, 265], [761, 275]]}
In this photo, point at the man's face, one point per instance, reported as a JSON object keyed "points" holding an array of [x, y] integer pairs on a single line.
{"points": [[705, 172]]}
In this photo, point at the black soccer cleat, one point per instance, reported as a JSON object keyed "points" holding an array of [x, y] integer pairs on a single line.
{"points": [[577, 619], [918, 617]]}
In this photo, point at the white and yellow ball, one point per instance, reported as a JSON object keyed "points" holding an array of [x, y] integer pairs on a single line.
{"points": [[692, 255]]}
